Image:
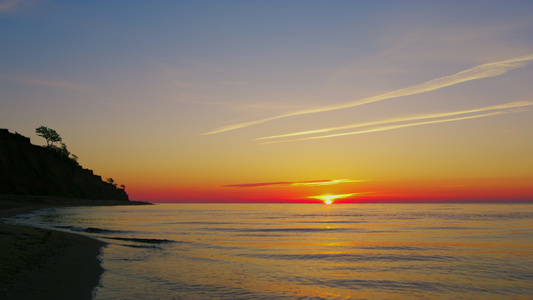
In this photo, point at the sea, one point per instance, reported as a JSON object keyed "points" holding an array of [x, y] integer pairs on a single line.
{"points": [[306, 251]]}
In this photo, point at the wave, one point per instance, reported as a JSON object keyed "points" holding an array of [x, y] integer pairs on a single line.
{"points": [[90, 229], [275, 229], [334, 222], [144, 241], [143, 246], [390, 285], [353, 257], [205, 223], [400, 248]]}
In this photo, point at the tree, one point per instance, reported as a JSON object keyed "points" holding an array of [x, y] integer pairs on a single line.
{"points": [[122, 186], [49, 134], [111, 181]]}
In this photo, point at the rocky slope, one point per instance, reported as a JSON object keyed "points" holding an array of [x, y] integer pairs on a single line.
{"points": [[27, 169]]}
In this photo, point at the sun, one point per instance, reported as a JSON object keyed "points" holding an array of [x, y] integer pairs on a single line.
{"points": [[329, 198]]}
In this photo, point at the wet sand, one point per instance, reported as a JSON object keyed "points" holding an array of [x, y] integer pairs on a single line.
{"points": [[44, 264]]}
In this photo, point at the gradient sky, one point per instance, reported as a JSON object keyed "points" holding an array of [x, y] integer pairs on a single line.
{"points": [[283, 101]]}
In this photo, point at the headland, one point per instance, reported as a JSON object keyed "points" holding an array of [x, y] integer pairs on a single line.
{"points": [[44, 264]]}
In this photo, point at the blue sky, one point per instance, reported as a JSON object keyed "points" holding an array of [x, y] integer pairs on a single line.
{"points": [[134, 86]]}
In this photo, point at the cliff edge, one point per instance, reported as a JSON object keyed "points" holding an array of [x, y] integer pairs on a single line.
{"points": [[27, 169]]}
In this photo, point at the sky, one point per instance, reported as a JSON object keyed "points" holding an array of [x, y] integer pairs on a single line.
{"points": [[280, 101]]}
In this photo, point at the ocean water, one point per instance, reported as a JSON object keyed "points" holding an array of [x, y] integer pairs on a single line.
{"points": [[307, 251]]}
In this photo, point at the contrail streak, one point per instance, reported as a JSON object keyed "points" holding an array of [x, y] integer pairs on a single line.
{"points": [[53, 83], [404, 119], [478, 72], [392, 127]]}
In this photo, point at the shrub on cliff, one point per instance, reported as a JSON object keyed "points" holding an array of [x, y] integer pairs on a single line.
{"points": [[52, 137]]}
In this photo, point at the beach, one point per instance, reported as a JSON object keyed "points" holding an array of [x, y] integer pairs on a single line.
{"points": [[44, 264]]}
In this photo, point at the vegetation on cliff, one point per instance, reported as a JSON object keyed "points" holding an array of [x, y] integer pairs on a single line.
{"points": [[27, 169]]}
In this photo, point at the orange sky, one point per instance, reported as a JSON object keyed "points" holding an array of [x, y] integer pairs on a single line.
{"points": [[240, 101]]}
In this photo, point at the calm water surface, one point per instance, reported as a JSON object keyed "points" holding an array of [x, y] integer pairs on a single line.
{"points": [[308, 251]]}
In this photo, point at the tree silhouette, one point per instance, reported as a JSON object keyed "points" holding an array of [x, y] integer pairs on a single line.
{"points": [[112, 181], [49, 134]]}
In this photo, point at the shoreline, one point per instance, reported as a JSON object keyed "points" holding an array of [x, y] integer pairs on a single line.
{"points": [[47, 264]]}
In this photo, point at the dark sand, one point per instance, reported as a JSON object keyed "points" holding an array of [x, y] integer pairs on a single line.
{"points": [[44, 264]]}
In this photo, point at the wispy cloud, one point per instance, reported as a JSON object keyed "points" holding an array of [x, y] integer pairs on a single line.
{"points": [[392, 127], [404, 119], [7, 6], [508, 130], [481, 71], [52, 83], [294, 183], [235, 83]]}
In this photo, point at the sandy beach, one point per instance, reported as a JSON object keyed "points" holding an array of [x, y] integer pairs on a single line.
{"points": [[44, 264]]}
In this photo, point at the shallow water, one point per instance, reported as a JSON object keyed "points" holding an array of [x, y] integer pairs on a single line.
{"points": [[308, 251]]}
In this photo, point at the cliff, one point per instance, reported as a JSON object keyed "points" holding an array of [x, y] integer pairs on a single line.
{"points": [[27, 169]]}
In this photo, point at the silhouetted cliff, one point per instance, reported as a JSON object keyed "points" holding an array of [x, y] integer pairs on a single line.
{"points": [[27, 169]]}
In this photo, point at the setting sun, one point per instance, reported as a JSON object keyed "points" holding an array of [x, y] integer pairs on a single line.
{"points": [[329, 199]]}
